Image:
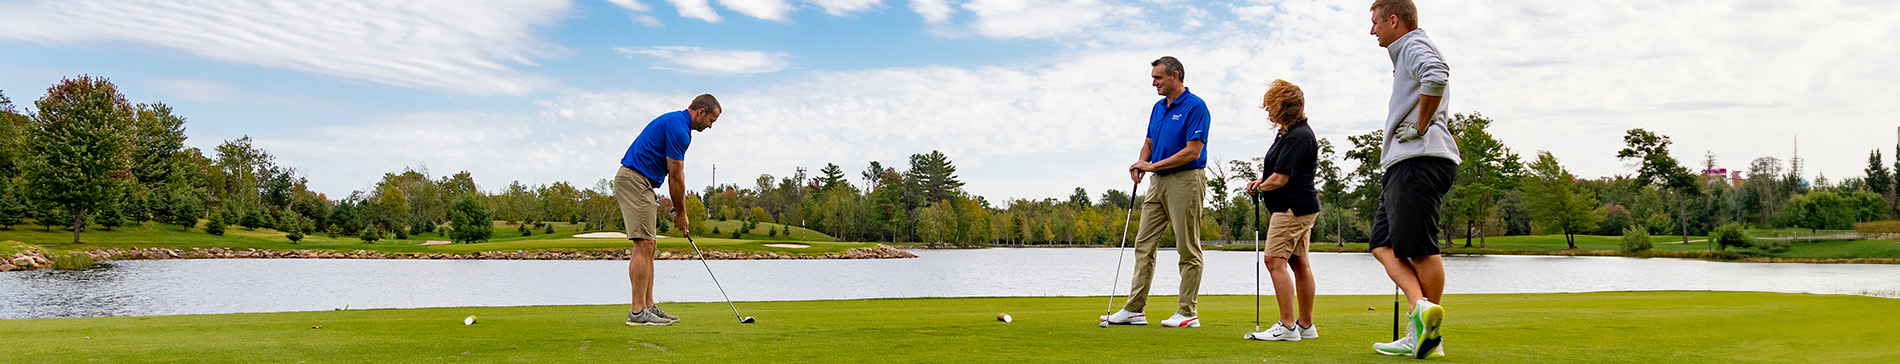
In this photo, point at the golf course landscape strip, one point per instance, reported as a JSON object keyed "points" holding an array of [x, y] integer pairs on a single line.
{"points": [[1609, 327]]}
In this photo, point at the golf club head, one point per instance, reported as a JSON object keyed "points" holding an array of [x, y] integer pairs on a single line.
{"points": [[1104, 324], [747, 320]]}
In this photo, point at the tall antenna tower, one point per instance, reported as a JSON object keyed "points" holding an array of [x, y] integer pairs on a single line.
{"points": [[1794, 164]]}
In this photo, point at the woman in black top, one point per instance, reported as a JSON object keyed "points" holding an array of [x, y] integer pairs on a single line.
{"points": [[1288, 195]]}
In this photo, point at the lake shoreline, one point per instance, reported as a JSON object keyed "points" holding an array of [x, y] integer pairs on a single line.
{"points": [[34, 260]]}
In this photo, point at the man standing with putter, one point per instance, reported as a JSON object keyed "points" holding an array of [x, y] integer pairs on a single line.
{"points": [[659, 153], [1175, 150], [1420, 161]]}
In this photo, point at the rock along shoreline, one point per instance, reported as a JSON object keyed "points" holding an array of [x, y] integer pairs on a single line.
{"points": [[33, 260]]}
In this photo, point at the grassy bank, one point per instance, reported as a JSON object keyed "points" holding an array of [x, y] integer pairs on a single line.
{"points": [[1866, 251], [506, 238], [1629, 327]]}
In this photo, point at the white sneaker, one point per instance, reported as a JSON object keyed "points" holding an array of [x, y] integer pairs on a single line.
{"points": [[1309, 332], [1402, 346], [1123, 317], [1279, 332], [1181, 321], [1430, 317]]}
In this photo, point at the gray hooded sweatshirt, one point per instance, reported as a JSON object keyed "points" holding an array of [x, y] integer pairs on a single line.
{"points": [[1417, 69]]}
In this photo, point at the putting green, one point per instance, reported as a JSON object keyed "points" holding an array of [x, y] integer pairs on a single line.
{"points": [[1634, 327]]}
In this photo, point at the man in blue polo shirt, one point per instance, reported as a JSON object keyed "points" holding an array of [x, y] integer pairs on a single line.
{"points": [[1175, 151], [659, 153]]}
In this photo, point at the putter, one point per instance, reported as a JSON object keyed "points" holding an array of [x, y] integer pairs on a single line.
{"points": [[1259, 260], [1123, 248], [722, 290]]}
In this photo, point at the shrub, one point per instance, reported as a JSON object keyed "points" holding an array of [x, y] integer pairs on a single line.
{"points": [[401, 234], [773, 232], [371, 234], [421, 225], [1635, 239], [1731, 235], [715, 230], [216, 226], [523, 229], [1878, 227], [549, 230], [735, 235]]}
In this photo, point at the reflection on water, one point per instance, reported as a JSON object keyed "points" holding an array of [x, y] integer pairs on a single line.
{"points": [[170, 287]]}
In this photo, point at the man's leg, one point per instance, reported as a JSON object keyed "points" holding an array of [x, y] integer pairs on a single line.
{"points": [[1401, 272], [1154, 219], [1431, 277], [1184, 214], [640, 273]]}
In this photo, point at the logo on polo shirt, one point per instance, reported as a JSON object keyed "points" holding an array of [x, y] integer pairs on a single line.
{"points": [[1177, 117]]}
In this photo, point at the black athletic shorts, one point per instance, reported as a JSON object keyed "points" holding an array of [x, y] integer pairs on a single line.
{"points": [[1408, 206]]}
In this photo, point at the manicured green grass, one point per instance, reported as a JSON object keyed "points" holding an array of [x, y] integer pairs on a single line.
{"points": [[506, 237], [1842, 249], [1616, 327]]}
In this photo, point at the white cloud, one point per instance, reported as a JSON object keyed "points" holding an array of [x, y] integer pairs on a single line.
{"points": [[696, 9], [846, 7], [632, 5], [712, 61], [933, 11], [774, 10], [440, 44]]}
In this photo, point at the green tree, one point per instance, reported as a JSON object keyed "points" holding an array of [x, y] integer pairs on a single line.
{"points": [[933, 175], [216, 225], [292, 225], [1556, 202], [1658, 168], [470, 221], [834, 176], [1487, 169], [1368, 178], [695, 215], [78, 146], [1879, 180], [1332, 188]]}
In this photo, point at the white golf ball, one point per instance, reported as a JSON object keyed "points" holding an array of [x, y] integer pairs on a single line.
{"points": [[1104, 324], [1004, 317], [469, 321]]}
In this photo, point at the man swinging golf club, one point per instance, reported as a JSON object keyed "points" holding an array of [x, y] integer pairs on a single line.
{"points": [[659, 153], [1175, 152], [1420, 159], [1292, 204]]}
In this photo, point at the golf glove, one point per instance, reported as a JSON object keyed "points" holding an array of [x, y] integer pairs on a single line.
{"points": [[1407, 132]]}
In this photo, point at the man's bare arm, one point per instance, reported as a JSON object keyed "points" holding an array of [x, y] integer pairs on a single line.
{"points": [[1427, 106]]}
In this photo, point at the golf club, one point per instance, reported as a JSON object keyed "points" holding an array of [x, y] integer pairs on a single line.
{"points": [[715, 278], [1259, 260], [1395, 312], [1123, 248]]}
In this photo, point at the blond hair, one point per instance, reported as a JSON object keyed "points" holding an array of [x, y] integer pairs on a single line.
{"points": [[1285, 103]]}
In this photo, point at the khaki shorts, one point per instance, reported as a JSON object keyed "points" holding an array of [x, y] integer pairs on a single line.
{"points": [[638, 205], [1288, 235]]}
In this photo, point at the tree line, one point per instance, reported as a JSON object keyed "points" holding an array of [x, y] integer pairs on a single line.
{"points": [[85, 156]]}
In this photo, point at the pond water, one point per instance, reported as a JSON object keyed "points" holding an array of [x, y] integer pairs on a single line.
{"points": [[172, 287]]}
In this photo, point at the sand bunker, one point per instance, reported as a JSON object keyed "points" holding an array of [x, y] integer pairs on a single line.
{"points": [[606, 234], [436, 242], [787, 245]]}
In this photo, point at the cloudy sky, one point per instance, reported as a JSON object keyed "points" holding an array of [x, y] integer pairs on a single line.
{"points": [[1030, 98]]}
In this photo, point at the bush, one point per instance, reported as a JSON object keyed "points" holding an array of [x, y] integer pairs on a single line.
{"points": [[69, 261], [773, 232], [549, 230], [216, 226], [421, 225], [1878, 227], [1731, 235], [401, 234], [523, 228], [715, 230], [735, 235], [371, 234], [1635, 239]]}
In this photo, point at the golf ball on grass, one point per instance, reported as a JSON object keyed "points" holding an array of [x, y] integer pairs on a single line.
{"points": [[1004, 317], [469, 321], [1104, 324]]}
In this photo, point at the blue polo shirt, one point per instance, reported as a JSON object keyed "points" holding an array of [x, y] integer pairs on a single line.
{"points": [[1171, 126], [666, 137]]}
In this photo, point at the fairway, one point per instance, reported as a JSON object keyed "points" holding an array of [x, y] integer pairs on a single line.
{"points": [[1626, 327]]}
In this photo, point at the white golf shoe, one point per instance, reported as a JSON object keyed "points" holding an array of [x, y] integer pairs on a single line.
{"points": [[1181, 321], [1279, 332], [1123, 317], [1309, 332]]}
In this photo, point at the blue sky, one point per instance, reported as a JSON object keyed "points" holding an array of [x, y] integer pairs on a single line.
{"points": [[1031, 98]]}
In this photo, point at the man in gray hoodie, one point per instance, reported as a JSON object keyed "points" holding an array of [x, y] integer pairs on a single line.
{"points": [[1420, 159]]}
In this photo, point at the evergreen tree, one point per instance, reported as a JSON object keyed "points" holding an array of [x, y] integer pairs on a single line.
{"points": [[216, 225], [933, 174], [1879, 180], [834, 176], [470, 221]]}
